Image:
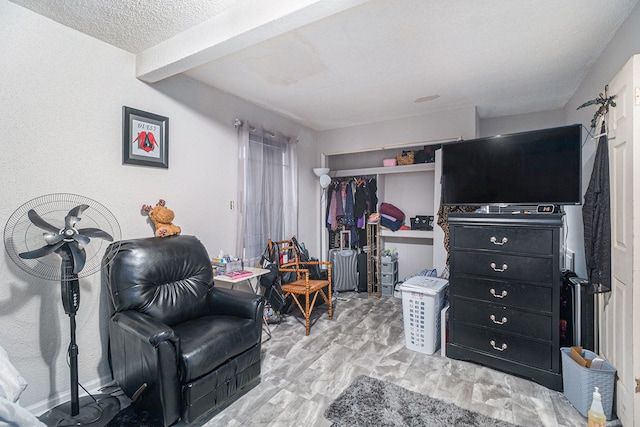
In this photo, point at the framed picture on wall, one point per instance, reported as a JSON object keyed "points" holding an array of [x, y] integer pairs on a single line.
{"points": [[145, 138]]}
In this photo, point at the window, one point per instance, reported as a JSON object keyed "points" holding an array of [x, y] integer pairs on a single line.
{"points": [[268, 190]]}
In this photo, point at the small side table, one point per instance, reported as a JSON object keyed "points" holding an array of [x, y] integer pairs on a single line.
{"points": [[254, 284], [252, 280]]}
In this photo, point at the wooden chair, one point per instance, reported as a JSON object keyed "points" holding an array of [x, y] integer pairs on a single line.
{"points": [[304, 290]]}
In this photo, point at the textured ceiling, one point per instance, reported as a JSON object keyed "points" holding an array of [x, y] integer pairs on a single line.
{"points": [[132, 25], [330, 63]]}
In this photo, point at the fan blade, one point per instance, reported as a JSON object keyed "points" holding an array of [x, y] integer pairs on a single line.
{"points": [[53, 238], [82, 240], [70, 221], [77, 211], [41, 223], [95, 232], [79, 257], [38, 253]]}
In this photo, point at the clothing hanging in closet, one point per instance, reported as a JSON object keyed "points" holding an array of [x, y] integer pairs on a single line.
{"points": [[350, 202]]}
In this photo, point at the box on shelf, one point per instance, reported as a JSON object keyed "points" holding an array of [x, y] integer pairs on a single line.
{"points": [[579, 382], [389, 162], [227, 266], [422, 222], [406, 157], [422, 300]]}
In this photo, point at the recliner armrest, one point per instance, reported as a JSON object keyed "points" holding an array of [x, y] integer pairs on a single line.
{"points": [[145, 327], [231, 302], [154, 347]]}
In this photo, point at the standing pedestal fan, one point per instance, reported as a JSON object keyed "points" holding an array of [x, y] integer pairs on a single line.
{"points": [[63, 237]]}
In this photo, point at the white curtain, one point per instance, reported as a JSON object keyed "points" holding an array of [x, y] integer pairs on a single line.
{"points": [[267, 190]]}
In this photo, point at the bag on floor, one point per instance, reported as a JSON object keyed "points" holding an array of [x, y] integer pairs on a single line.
{"points": [[272, 284], [362, 272], [270, 315], [273, 294]]}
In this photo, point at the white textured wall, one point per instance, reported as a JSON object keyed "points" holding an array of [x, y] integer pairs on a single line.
{"points": [[624, 44], [445, 124], [521, 123], [61, 98]]}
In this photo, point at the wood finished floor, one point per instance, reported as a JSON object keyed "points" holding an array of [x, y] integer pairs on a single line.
{"points": [[302, 375]]}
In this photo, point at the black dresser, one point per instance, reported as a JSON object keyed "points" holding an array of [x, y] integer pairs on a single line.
{"points": [[504, 291]]}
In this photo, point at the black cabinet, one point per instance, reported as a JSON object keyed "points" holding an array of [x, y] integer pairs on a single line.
{"points": [[504, 291]]}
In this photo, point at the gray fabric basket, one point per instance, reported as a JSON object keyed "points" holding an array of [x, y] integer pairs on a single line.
{"points": [[579, 382]]}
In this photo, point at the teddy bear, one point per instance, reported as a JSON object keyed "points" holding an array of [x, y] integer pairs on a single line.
{"points": [[161, 217]]}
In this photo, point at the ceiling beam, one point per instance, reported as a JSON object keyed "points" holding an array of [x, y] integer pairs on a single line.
{"points": [[236, 28]]}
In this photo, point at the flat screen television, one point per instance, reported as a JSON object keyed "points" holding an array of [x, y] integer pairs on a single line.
{"points": [[540, 167]]}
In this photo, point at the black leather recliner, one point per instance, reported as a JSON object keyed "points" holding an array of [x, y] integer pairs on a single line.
{"points": [[194, 346]]}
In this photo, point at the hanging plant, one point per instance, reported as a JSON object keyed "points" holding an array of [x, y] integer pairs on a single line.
{"points": [[604, 101]]}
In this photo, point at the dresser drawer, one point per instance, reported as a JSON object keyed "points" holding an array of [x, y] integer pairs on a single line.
{"points": [[508, 239], [503, 319], [521, 350], [514, 295], [503, 266]]}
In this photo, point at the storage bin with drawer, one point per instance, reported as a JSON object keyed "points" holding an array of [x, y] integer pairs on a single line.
{"points": [[504, 293], [389, 274]]}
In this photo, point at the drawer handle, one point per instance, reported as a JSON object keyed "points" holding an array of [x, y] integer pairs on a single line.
{"points": [[502, 294], [500, 243], [499, 270], [498, 322], [501, 348]]}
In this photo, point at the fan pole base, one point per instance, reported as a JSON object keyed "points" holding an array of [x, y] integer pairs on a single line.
{"points": [[90, 414]]}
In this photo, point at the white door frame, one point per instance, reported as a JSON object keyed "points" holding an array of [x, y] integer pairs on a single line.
{"points": [[619, 311]]}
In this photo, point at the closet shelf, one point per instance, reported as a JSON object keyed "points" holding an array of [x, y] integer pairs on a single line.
{"points": [[407, 234], [382, 170]]}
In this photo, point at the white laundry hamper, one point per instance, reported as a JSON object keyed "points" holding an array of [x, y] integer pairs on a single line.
{"points": [[422, 300]]}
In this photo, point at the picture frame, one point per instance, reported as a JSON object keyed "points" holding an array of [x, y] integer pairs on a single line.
{"points": [[145, 138]]}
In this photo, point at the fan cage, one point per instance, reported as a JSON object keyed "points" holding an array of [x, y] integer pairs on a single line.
{"points": [[21, 235]]}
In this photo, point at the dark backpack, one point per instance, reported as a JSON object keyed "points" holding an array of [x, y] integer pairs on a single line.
{"points": [[315, 272], [272, 282]]}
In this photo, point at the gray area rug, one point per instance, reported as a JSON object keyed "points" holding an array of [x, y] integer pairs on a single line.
{"points": [[372, 402]]}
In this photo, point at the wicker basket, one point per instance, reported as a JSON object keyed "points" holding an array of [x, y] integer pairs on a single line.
{"points": [[406, 158], [578, 383]]}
